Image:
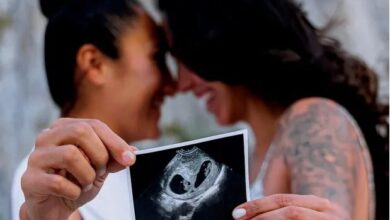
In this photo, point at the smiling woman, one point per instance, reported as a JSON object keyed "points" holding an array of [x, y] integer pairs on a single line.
{"points": [[127, 50], [105, 69], [130, 108], [313, 107]]}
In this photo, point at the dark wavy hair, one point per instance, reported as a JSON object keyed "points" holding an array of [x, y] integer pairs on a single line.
{"points": [[73, 23], [270, 47]]}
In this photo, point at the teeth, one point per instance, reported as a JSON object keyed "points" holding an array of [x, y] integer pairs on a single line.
{"points": [[204, 99]]}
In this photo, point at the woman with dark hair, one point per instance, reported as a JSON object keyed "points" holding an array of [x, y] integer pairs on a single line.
{"points": [[313, 108], [105, 70]]}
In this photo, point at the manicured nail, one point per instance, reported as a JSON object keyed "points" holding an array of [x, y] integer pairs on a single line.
{"points": [[88, 187], [239, 213], [128, 157], [135, 148]]}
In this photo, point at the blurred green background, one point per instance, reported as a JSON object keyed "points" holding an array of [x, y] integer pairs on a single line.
{"points": [[362, 26]]}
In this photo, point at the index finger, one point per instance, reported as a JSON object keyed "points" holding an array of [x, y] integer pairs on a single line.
{"points": [[253, 208], [120, 151]]}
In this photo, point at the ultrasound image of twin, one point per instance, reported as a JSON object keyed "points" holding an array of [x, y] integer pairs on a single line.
{"points": [[193, 186]]}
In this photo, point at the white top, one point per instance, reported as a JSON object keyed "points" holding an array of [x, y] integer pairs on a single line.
{"points": [[17, 197], [257, 187], [112, 202]]}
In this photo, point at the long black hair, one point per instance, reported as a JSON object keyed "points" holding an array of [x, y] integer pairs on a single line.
{"points": [[270, 47], [73, 23]]}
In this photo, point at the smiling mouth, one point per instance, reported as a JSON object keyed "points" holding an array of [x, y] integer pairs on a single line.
{"points": [[205, 95]]}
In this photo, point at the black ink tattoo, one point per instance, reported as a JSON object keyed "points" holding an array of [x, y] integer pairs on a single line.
{"points": [[319, 145]]}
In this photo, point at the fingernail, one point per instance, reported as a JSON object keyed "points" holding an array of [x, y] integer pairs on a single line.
{"points": [[101, 172], [88, 187], [135, 148], [239, 213], [128, 157]]}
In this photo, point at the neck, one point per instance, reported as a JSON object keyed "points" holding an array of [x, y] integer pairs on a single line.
{"points": [[264, 122]]}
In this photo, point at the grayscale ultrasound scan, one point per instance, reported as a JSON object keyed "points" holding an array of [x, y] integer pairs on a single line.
{"points": [[199, 180]]}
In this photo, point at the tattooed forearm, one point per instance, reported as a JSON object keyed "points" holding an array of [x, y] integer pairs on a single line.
{"points": [[319, 147]]}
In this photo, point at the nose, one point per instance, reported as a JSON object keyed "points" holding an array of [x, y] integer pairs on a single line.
{"points": [[186, 79]]}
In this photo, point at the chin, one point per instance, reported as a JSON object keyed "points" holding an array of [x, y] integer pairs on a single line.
{"points": [[153, 133], [224, 121]]}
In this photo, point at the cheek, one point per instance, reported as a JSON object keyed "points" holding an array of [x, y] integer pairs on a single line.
{"points": [[149, 76], [137, 89], [149, 87], [155, 82], [142, 117]]}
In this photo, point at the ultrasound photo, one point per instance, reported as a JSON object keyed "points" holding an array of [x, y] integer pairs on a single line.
{"points": [[198, 180]]}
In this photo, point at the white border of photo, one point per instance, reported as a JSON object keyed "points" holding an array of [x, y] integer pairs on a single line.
{"points": [[192, 142]]}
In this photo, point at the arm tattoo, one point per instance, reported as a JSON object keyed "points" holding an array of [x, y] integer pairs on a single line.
{"points": [[319, 146]]}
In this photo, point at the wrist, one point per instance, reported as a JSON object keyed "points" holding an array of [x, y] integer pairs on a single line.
{"points": [[24, 214]]}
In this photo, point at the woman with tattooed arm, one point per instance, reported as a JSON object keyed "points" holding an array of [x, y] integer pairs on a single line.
{"points": [[313, 108]]}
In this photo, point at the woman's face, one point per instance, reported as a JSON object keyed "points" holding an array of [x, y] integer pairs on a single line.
{"points": [[137, 87], [226, 102]]}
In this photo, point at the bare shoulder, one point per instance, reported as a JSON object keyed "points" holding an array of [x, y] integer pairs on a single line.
{"points": [[319, 107], [319, 143], [319, 117]]}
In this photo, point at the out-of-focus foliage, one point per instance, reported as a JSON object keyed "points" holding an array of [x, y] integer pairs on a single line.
{"points": [[4, 22]]}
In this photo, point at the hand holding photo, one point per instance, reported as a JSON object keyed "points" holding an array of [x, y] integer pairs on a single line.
{"points": [[197, 180]]}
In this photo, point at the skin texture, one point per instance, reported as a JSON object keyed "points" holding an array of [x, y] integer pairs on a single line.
{"points": [[323, 157], [318, 153], [127, 93], [72, 159], [317, 171], [222, 101], [69, 165]]}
